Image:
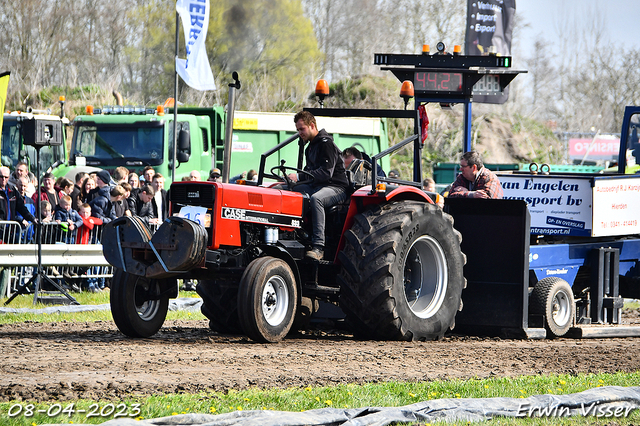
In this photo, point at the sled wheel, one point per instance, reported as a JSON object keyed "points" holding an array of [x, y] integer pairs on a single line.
{"points": [[137, 306], [402, 272], [553, 298], [267, 299]]}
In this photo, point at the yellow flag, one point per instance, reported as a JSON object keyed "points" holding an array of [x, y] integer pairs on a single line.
{"points": [[4, 84]]}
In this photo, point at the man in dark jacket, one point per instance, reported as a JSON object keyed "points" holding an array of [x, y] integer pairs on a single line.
{"points": [[329, 183], [76, 194], [11, 202], [143, 207], [101, 202]]}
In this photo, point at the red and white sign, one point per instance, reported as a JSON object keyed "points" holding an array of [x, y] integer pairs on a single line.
{"points": [[603, 147]]}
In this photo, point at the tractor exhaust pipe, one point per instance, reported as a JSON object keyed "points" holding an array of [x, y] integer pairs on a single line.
{"points": [[228, 130], [118, 97]]}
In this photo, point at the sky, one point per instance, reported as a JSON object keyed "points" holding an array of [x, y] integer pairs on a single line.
{"points": [[621, 19]]}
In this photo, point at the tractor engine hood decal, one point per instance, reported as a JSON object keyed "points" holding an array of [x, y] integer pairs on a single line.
{"points": [[244, 215]]}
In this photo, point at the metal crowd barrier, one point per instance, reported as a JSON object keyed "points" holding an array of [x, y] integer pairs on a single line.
{"points": [[64, 258]]}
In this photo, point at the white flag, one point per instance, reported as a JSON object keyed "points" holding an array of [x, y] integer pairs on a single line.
{"points": [[195, 70]]}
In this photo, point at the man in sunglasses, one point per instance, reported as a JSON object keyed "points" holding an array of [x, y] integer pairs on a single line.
{"points": [[475, 180], [11, 201]]}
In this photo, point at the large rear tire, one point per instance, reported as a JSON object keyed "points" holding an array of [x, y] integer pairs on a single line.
{"points": [[137, 306], [402, 275], [552, 297], [220, 305], [267, 299]]}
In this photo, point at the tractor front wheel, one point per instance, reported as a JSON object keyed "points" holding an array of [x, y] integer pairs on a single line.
{"points": [[267, 299]]}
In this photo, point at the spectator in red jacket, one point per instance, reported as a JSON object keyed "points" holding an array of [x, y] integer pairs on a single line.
{"points": [[88, 223], [48, 191]]}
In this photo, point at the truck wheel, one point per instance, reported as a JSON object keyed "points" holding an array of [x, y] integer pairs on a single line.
{"points": [[220, 305], [402, 275], [137, 307], [552, 297], [267, 299]]}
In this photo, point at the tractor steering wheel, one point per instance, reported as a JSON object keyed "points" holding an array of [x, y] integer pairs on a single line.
{"points": [[283, 169]]}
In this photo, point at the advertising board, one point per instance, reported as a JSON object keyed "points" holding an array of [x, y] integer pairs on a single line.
{"points": [[616, 203], [559, 205]]}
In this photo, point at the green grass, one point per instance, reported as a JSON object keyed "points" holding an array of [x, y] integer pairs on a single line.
{"points": [[342, 396], [84, 298], [297, 399]]}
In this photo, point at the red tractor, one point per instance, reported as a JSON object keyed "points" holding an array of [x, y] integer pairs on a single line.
{"points": [[396, 271]]}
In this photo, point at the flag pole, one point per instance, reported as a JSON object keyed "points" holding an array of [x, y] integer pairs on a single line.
{"points": [[175, 102]]}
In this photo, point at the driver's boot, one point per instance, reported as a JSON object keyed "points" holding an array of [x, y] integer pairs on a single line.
{"points": [[316, 253]]}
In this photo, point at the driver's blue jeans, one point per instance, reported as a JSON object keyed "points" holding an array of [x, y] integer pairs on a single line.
{"points": [[322, 197]]}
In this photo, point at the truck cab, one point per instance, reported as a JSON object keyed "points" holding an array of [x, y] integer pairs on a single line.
{"points": [[136, 137], [14, 149]]}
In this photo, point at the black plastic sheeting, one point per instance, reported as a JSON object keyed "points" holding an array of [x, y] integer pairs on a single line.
{"points": [[608, 402]]}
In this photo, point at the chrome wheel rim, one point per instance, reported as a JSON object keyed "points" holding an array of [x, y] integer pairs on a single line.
{"points": [[425, 277], [275, 300]]}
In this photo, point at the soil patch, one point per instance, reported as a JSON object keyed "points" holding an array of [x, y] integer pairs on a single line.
{"points": [[64, 361]]}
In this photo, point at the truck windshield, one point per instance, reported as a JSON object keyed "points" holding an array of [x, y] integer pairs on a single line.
{"points": [[13, 149], [119, 145]]}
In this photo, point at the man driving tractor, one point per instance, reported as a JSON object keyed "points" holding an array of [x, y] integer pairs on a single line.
{"points": [[325, 180]]}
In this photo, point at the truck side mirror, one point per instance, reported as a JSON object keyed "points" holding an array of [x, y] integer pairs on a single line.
{"points": [[184, 146]]}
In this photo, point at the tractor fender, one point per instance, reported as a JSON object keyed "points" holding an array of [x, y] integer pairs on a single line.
{"points": [[281, 253], [363, 198]]}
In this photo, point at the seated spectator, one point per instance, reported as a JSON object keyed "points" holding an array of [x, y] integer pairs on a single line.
{"points": [[252, 175], [352, 153], [194, 175]]}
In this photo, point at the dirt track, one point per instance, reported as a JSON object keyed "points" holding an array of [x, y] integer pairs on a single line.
{"points": [[74, 360]]}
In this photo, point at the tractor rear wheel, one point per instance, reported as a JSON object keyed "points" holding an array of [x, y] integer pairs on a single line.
{"points": [[220, 305], [402, 275], [267, 299], [137, 304], [552, 297]]}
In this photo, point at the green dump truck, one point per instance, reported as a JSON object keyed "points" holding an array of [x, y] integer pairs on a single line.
{"points": [[136, 137]]}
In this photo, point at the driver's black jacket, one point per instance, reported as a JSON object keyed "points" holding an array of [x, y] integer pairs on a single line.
{"points": [[324, 162]]}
